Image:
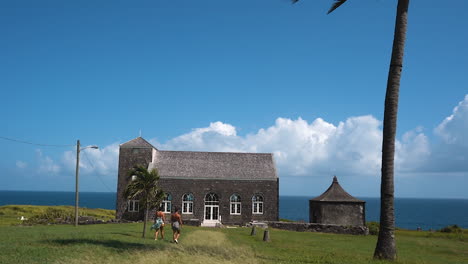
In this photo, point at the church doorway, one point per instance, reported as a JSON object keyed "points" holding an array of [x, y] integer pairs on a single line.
{"points": [[211, 207]]}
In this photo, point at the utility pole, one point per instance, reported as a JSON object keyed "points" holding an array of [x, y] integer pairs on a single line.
{"points": [[76, 184]]}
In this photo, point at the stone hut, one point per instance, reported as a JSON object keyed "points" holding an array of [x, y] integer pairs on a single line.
{"points": [[209, 188], [336, 206]]}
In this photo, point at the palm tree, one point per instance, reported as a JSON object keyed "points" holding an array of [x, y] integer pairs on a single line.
{"points": [[144, 187], [386, 247]]}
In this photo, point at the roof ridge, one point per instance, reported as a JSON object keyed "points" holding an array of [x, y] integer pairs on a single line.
{"points": [[219, 152], [215, 165], [144, 144], [336, 193]]}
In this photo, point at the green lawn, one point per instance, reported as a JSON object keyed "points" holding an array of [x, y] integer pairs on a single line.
{"points": [[122, 243]]}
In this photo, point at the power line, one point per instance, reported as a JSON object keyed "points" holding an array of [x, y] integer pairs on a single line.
{"points": [[54, 145], [99, 177], [35, 144]]}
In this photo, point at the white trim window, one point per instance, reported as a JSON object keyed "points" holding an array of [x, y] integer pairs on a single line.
{"points": [[235, 204], [257, 204], [167, 203], [187, 203], [133, 206]]}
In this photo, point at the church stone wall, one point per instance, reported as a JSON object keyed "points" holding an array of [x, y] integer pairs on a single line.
{"points": [[346, 214], [224, 189], [322, 228], [128, 159]]}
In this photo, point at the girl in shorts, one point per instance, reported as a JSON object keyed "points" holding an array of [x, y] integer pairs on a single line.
{"points": [[176, 221]]}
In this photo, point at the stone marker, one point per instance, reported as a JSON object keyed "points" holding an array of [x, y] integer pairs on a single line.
{"points": [[266, 236], [254, 231]]}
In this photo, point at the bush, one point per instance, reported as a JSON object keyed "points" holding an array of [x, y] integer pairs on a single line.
{"points": [[50, 216], [15, 208], [373, 228], [451, 229]]}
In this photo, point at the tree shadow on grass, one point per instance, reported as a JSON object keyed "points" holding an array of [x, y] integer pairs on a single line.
{"points": [[117, 245], [128, 234]]}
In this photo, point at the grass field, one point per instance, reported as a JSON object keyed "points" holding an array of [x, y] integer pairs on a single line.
{"points": [[10, 214], [122, 243]]}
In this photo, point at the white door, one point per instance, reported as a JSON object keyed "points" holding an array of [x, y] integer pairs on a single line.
{"points": [[211, 207], [211, 212]]}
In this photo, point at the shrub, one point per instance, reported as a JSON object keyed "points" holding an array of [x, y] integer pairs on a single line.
{"points": [[50, 216], [373, 228], [451, 229]]}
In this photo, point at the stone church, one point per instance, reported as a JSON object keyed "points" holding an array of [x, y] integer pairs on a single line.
{"points": [[210, 188]]}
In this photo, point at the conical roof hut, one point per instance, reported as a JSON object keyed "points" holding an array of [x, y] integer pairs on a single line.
{"points": [[336, 206]]}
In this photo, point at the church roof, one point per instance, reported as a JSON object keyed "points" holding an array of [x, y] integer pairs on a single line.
{"points": [[335, 193], [214, 165], [138, 142]]}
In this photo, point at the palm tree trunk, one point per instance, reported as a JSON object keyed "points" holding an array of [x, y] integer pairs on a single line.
{"points": [[386, 247], [145, 219]]}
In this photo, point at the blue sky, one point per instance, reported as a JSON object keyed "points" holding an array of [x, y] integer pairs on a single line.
{"points": [[263, 76]]}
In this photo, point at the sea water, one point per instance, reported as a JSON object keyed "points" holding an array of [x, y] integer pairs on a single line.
{"points": [[410, 213]]}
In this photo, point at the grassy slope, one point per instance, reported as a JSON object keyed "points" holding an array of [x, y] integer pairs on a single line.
{"points": [[10, 214], [122, 243]]}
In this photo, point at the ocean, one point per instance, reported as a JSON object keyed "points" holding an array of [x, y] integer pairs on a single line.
{"points": [[410, 213]]}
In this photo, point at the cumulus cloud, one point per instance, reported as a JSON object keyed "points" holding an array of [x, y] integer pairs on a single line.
{"points": [[47, 164], [103, 161], [311, 149], [454, 129], [316, 148], [218, 136], [451, 153], [413, 151]]}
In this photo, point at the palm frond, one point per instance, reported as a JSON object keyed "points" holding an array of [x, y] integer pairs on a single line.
{"points": [[332, 8], [144, 187], [335, 5]]}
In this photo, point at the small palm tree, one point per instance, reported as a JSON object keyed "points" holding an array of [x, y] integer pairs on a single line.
{"points": [[144, 187], [386, 248]]}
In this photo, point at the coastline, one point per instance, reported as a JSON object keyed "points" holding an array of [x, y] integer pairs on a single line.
{"points": [[411, 213]]}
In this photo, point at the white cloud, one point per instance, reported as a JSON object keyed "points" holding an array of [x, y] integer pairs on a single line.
{"points": [[454, 129], [21, 164], [303, 148], [413, 151], [217, 137], [103, 161], [451, 153], [317, 148], [47, 164], [352, 147]]}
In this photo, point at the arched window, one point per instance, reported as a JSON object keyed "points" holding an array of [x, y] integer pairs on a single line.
{"points": [[235, 204], [133, 206], [187, 203], [167, 203], [257, 204], [211, 199]]}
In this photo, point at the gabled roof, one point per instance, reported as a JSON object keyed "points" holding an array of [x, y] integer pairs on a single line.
{"points": [[214, 165], [335, 193], [138, 142]]}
